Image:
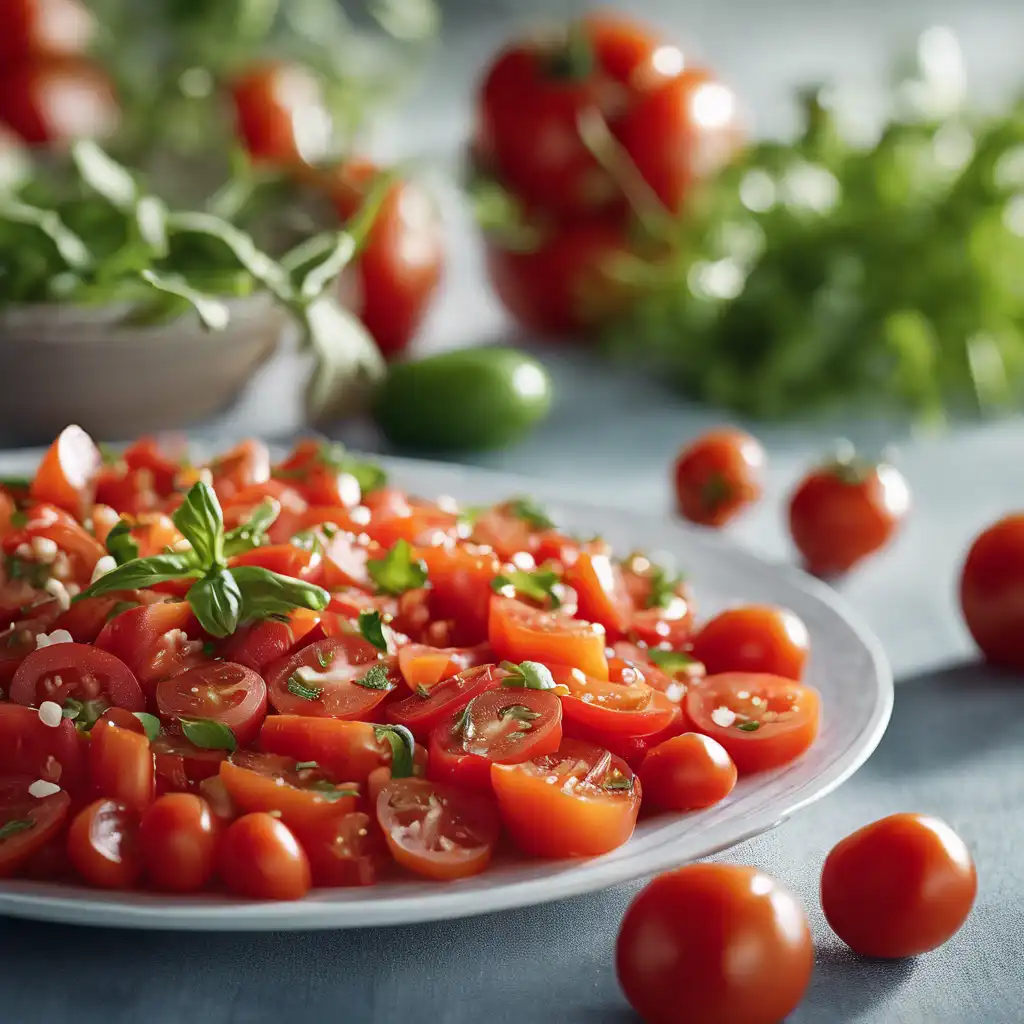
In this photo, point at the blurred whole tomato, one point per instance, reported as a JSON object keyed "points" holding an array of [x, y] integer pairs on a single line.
{"points": [[43, 27]]}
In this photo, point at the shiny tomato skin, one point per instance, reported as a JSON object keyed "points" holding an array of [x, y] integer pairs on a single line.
{"points": [[753, 638], [33, 27], [148, 640], [992, 592], [55, 524], [85, 619], [425, 666], [346, 851], [261, 859], [121, 766], [54, 100], [237, 471], [178, 838], [731, 938], [628, 709], [146, 455], [601, 592], [46, 817], [796, 707], [718, 475], [257, 645], [181, 766], [345, 749], [67, 474], [687, 773], [898, 887], [84, 672], [422, 714], [841, 514], [103, 845], [284, 559], [28, 747]]}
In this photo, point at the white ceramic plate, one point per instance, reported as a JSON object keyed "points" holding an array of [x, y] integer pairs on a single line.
{"points": [[847, 666]]}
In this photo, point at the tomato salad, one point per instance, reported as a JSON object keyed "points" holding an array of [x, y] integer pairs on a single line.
{"points": [[271, 676]]}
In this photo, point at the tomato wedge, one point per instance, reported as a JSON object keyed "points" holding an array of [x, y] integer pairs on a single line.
{"points": [[222, 691], [284, 559], [628, 709], [424, 666], [153, 640], [590, 809], [68, 472], [499, 726], [437, 831], [421, 714], [345, 749], [121, 766], [518, 632], [63, 671], [88, 616], [601, 592], [763, 721], [29, 747], [27, 823], [346, 851]]}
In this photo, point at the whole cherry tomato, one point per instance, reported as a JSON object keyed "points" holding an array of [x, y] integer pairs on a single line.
{"points": [[687, 773], [103, 845], [718, 475], [260, 858], [992, 592], [29, 28], [728, 943], [898, 887], [754, 638], [178, 840], [842, 512]]}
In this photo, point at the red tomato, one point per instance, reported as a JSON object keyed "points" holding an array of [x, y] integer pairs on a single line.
{"points": [[301, 796], [687, 773], [718, 476], [898, 887], [317, 471], [731, 938], [629, 709], [222, 691], [284, 559], [330, 679], [239, 469], [347, 750], [564, 285], [181, 766], [345, 851], [61, 671], [32, 27], [281, 114], [121, 766], [841, 513], [754, 638], [992, 592], [497, 727], [591, 810], [261, 859], [52, 523], [394, 278], [145, 456], [54, 100], [437, 831], [67, 474], [421, 714], [126, 491], [601, 592], [152, 640], [103, 845], [423, 666], [178, 841], [27, 823], [518, 632], [28, 747], [257, 645], [460, 580], [88, 616], [345, 558], [763, 721]]}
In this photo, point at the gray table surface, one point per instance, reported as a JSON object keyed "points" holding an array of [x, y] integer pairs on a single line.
{"points": [[953, 747]]}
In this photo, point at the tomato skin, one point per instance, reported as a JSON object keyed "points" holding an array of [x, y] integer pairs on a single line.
{"points": [[240, 469], [347, 750], [460, 579], [421, 715], [86, 618], [425, 666], [773, 743], [32, 27], [256, 646], [182, 766], [261, 859], [899, 887], [68, 472], [753, 638], [285, 559], [98, 673], [178, 838], [730, 940], [718, 476], [840, 514], [687, 773], [346, 851], [28, 747], [121, 766], [992, 592], [147, 640], [633, 709], [103, 845], [47, 816], [53, 523], [601, 592]]}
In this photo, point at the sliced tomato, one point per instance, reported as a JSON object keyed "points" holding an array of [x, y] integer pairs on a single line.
{"points": [[518, 632], [146, 456], [103, 845], [460, 580], [88, 616], [181, 766], [437, 831], [345, 557], [329, 679], [153, 533], [346, 851], [52, 523], [125, 491], [589, 809], [121, 766], [619, 708], [291, 507], [259, 644], [395, 516], [499, 726], [27, 823], [421, 714], [345, 749], [303, 796], [67, 474], [601, 592], [424, 666], [153, 640], [285, 559], [313, 471], [763, 721], [80, 671], [28, 747], [17, 642], [243, 466]]}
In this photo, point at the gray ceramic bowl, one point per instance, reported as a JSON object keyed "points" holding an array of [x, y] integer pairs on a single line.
{"points": [[61, 365]]}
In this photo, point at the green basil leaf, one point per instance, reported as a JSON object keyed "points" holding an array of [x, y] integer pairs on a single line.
{"points": [[671, 661], [151, 724], [403, 749], [530, 512], [84, 713], [397, 571], [266, 593], [322, 274], [664, 587], [253, 532], [70, 248], [528, 675], [304, 690], [213, 314], [201, 522], [146, 572], [330, 792], [217, 601], [376, 679], [748, 726], [336, 457], [541, 585], [121, 544], [14, 827], [121, 606], [301, 766], [151, 226], [371, 625], [104, 175], [208, 734]]}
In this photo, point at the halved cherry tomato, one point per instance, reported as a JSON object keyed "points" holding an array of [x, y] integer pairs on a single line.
{"points": [[763, 721], [590, 809], [662, 614], [27, 823], [421, 714], [152, 640], [28, 747], [222, 691], [147, 456], [630, 709], [344, 559], [260, 858], [103, 845], [460, 581], [718, 475], [754, 638], [423, 666], [302, 796], [286, 559], [687, 773], [345, 851], [601, 592], [62, 671], [126, 491], [437, 831], [67, 474], [518, 632], [52, 523], [497, 727], [181, 766], [178, 838], [330, 679], [87, 617], [318, 475], [347, 750], [265, 641], [121, 766], [245, 465]]}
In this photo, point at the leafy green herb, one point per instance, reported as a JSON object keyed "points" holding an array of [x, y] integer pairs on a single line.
{"points": [[330, 792], [253, 532], [209, 649], [217, 601], [84, 713], [308, 540], [530, 512], [371, 625], [14, 827], [212, 312], [302, 766], [201, 522], [120, 542], [748, 726], [324, 658], [19, 519], [266, 593], [151, 724], [672, 662], [617, 782], [34, 573], [422, 691], [463, 724], [304, 690], [403, 749], [376, 679], [524, 716], [336, 458], [397, 571], [141, 573], [541, 585], [664, 587], [208, 734], [15, 483], [527, 675]]}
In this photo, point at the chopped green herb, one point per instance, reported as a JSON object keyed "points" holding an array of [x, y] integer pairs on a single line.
{"points": [[524, 716], [303, 690], [109, 454], [541, 585], [397, 571], [470, 515], [15, 483], [151, 724], [253, 532], [422, 691], [209, 648], [530, 512], [671, 661], [84, 713], [208, 734], [371, 625], [301, 766], [463, 725], [14, 827], [329, 792], [616, 781], [34, 573], [748, 726], [664, 587], [19, 519], [324, 658], [528, 675], [375, 679], [403, 749]]}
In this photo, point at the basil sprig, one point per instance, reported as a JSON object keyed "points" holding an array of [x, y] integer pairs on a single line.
{"points": [[120, 542], [222, 596], [541, 585], [397, 571], [528, 675]]}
